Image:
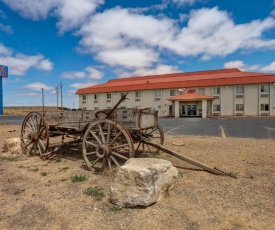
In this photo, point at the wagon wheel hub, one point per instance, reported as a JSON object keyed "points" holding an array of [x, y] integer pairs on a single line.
{"points": [[103, 151], [33, 137]]}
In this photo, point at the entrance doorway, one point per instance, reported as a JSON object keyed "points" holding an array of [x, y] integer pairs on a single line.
{"points": [[192, 110], [182, 112]]}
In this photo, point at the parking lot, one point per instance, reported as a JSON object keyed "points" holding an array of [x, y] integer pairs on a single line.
{"points": [[242, 127]]}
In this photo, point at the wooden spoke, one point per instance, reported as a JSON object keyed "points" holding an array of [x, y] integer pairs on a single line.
{"points": [[113, 141], [109, 163], [108, 133], [155, 134], [95, 136], [95, 162], [120, 156], [90, 153], [114, 160], [101, 133], [91, 143], [114, 144], [34, 135]]}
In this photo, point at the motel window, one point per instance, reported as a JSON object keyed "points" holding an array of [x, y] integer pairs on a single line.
{"points": [[109, 107], [159, 106], [265, 88], [201, 90], [138, 94], [96, 96], [172, 92], [239, 107], [83, 102], [84, 97], [109, 96], [264, 107], [239, 89], [158, 93], [96, 108], [216, 90], [216, 108], [84, 108]]}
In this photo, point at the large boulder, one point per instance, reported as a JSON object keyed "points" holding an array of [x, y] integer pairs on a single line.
{"points": [[142, 182], [12, 145]]}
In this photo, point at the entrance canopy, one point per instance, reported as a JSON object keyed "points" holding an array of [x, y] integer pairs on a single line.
{"points": [[191, 96], [190, 104]]}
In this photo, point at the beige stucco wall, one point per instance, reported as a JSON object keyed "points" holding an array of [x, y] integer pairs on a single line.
{"points": [[227, 100], [251, 99]]}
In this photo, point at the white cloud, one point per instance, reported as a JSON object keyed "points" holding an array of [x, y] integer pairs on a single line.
{"points": [[71, 13], [269, 68], [234, 64], [83, 85], [94, 73], [121, 38], [28, 94], [184, 2], [20, 63], [160, 69], [5, 50], [241, 65], [183, 17], [31, 9], [89, 72], [74, 75], [129, 57], [38, 86], [118, 37], [6, 29], [45, 65]]}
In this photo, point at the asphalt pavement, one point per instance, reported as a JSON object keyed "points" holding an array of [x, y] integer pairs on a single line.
{"points": [[242, 127]]}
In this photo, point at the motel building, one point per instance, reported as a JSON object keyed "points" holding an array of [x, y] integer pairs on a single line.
{"points": [[227, 92]]}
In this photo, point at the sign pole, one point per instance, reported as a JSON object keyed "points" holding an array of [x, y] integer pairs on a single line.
{"points": [[3, 73], [1, 97]]}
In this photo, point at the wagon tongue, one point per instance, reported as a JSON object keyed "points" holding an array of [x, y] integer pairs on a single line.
{"points": [[148, 141]]}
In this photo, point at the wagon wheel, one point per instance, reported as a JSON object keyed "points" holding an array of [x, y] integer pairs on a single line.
{"points": [[34, 134], [106, 142], [155, 134]]}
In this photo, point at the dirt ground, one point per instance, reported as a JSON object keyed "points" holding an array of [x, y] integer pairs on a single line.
{"points": [[39, 194]]}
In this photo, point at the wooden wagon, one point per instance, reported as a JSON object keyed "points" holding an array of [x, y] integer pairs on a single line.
{"points": [[109, 137]]}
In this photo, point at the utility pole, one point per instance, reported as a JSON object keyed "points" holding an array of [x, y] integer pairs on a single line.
{"points": [[43, 100], [61, 85], [56, 90]]}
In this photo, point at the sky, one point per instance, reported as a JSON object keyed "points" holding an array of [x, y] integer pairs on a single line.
{"points": [[80, 43]]}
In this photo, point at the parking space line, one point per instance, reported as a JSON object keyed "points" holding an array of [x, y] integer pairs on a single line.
{"points": [[222, 132], [173, 129], [270, 128]]}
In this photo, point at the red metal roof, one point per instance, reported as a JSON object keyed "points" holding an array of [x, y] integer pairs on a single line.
{"points": [[190, 95], [180, 80]]}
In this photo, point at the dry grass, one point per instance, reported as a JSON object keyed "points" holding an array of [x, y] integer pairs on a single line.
{"points": [[24, 110]]}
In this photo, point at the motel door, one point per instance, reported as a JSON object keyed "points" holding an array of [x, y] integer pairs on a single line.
{"points": [[182, 111], [192, 110]]}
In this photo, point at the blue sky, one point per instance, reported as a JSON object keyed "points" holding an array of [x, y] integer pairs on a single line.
{"points": [[87, 42]]}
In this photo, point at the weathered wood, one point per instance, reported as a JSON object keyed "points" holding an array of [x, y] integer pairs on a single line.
{"points": [[182, 157]]}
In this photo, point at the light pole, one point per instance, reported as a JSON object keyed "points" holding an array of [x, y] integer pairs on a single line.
{"points": [[56, 88], [61, 85], [43, 100]]}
